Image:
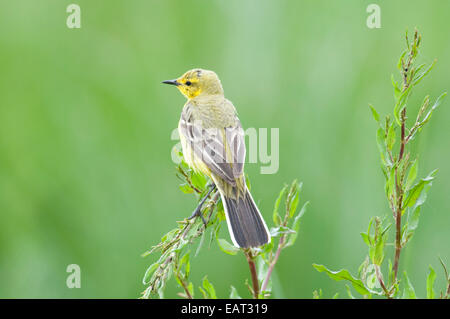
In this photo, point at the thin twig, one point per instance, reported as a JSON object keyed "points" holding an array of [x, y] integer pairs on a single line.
{"points": [[380, 280], [188, 180], [273, 263], [279, 248], [251, 265], [399, 182], [183, 285], [399, 189]]}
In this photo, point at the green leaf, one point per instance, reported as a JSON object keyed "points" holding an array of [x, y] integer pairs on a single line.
{"points": [[199, 180], [226, 247], [296, 226], [276, 217], [180, 283], [317, 294], [419, 77], [412, 175], [420, 67], [381, 144], [193, 230], [371, 280], [396, 87], [263, 267], [349, 292], [391, 273], [435, 105], [430, 283], [375, 114], [366, 238], [397, 109], [439, 100], [417, 195], [390, 139], [293, 205], [185, 261], [400, 104], [169, 235], [205, 295], [389, 187], [370, 225], [399, 63], [200, 244], [209, 288], [344, 275], [363, 269], [191, 289], [185, 188], [413, 222], [408, 292], [161, 292], [277, 231], [266, 248], [379, 250], [215, 231], [149, 272], [234, 294]]}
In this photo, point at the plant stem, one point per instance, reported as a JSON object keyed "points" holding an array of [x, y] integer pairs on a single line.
{"points": [[380, 280], [184, 286], [273, 263], [399, 187], [403, 140], [251, 264], [447, 294], [398, 247], [279, 248]]}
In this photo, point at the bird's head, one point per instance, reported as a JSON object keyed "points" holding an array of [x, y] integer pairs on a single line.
{"points": [[196, 82]]}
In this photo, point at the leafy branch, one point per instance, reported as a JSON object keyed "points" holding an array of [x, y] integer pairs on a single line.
{"points": [[287, 235], [284, 234], [174, 256], [175, 246], [405, 195]]}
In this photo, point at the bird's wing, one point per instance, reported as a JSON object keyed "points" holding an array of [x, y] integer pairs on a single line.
{"points": [[236, 142], [221, 149]]}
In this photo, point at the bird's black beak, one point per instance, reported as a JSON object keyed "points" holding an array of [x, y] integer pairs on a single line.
{"points": [[172, 82]]}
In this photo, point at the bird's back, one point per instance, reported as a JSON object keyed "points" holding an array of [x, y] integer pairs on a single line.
{"points": [[212, 111]]}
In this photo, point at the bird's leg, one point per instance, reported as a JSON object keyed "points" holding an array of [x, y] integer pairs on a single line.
{"points": [[198, 210]]}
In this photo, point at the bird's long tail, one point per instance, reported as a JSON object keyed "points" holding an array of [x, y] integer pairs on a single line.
{"points": [[245, 223]]}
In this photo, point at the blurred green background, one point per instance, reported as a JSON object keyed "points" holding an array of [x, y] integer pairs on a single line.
{"points": [[86, 175]]}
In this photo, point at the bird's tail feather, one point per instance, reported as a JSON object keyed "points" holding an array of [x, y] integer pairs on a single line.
{"points": [[245, 223]]}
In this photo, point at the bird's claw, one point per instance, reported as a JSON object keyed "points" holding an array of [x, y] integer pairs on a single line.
{"points": [[198, 213]]}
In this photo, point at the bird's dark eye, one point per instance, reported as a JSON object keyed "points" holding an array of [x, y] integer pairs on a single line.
{"points": [[188, 83]]}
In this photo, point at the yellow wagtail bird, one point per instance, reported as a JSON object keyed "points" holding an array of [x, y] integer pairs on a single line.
{"points": [[213, 143]]}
